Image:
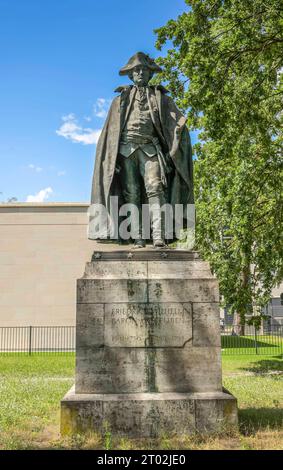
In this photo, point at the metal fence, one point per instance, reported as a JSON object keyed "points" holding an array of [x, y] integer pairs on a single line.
{"points": [[62, 340], [267, 341], [37, 339]]}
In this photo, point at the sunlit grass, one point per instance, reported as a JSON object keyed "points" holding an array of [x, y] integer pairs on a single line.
{"points": [[31, 389]]}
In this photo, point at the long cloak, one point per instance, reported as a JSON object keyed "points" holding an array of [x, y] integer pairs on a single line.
{"points": [[174, 138]]}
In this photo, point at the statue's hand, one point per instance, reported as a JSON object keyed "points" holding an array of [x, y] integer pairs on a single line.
{"points": [[117, 169]]}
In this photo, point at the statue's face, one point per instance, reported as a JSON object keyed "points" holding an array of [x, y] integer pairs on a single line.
{"points": [[141, 75]]}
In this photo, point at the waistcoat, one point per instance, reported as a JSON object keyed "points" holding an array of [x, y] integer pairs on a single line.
{"points": [[139, 126]]}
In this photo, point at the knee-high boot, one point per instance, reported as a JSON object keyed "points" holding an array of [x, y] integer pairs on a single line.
{"points": [[157, 218]]}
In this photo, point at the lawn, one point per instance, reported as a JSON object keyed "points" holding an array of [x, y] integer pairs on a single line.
{"points": [[265, 344], [31, 389]]}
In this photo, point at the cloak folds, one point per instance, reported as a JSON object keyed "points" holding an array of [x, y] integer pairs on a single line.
{"points": [[175, 141]]}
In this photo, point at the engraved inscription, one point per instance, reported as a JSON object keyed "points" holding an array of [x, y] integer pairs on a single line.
{"points": [[148, 325]]}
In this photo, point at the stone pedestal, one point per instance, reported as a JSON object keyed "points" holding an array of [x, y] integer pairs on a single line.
{"points": [[148, 347]]}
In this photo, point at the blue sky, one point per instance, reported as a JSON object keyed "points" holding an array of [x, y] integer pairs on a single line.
{"points": [[59, 67]]}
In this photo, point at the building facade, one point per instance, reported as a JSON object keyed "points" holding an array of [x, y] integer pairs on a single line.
{"points": [[43, 251]]}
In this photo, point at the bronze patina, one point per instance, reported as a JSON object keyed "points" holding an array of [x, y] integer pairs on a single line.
{"points": [[144, 152]]}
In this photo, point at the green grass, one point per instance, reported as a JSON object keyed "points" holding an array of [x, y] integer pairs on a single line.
{"points": [[257, 383], [266, 344], [31, 389]]}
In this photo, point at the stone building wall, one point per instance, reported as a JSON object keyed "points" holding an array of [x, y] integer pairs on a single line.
{"points": [[43, 250]]}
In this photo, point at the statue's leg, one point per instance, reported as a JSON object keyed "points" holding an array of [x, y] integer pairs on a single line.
{"points": [[131, 190], [151, 173]]}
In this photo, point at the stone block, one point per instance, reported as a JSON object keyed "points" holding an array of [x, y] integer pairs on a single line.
{"points": [[147, 415], [111, 290], [148, 353], [187, 369], [110, 370], [216, 415], [129, 370], [178, 270], [116, 270], [148, 325], [206, 324], [183, 290], [90, 326]]}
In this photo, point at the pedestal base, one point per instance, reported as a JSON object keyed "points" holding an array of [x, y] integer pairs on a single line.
{"points": [[148, 350], [148, 414]]}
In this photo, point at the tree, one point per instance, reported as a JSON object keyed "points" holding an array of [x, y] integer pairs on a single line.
{"points": [[12, 200], [9, 200], [226, 71]]}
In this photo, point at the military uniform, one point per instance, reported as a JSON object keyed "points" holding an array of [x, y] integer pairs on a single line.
{"points": [[144, 147], [140, 160]]}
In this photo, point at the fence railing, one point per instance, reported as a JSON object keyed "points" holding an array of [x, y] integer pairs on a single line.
{"points": [[37, 339], [268, 341], [62, 339]]}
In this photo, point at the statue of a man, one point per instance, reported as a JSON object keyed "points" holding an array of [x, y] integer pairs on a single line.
{"points": [[144, 152]]}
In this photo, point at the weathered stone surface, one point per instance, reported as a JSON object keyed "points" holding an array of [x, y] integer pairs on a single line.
{"points": [[148, 325], [129, 370], [188, 370], [112, 269], [178, 270], [107, 290], [148, 348], [134, 325], [90, 326], [206, 325], [147, 414], [215, 415], [183, 290], [109, 252], [110, 370]]}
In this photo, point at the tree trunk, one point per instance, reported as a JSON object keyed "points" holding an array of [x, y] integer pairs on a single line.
{"points": [[238, 325], [240, 316]]}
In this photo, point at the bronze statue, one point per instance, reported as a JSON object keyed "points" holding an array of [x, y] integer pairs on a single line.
{"points": [[144, 152]]}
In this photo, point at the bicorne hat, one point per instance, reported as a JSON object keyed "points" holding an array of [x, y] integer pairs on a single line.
{"points": [[140, 58]]}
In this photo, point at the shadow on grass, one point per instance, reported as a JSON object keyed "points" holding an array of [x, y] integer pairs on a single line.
{"points": [[263, 366], [244, 342], [255, 419]]}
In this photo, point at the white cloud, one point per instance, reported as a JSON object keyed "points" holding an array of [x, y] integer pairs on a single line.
{"points": [[61, 173], [41, 196], [100, 108], [71, 130], [33, 167], [68, 117]]}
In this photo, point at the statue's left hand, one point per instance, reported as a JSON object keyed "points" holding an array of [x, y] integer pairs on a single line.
{"points": [[117, 169]]}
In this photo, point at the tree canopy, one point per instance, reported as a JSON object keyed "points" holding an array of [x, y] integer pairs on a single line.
{"points": [[225, 70]]}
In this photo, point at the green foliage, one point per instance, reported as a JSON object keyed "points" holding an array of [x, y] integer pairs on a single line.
{"points": [[226, 71], [9, 200]]}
